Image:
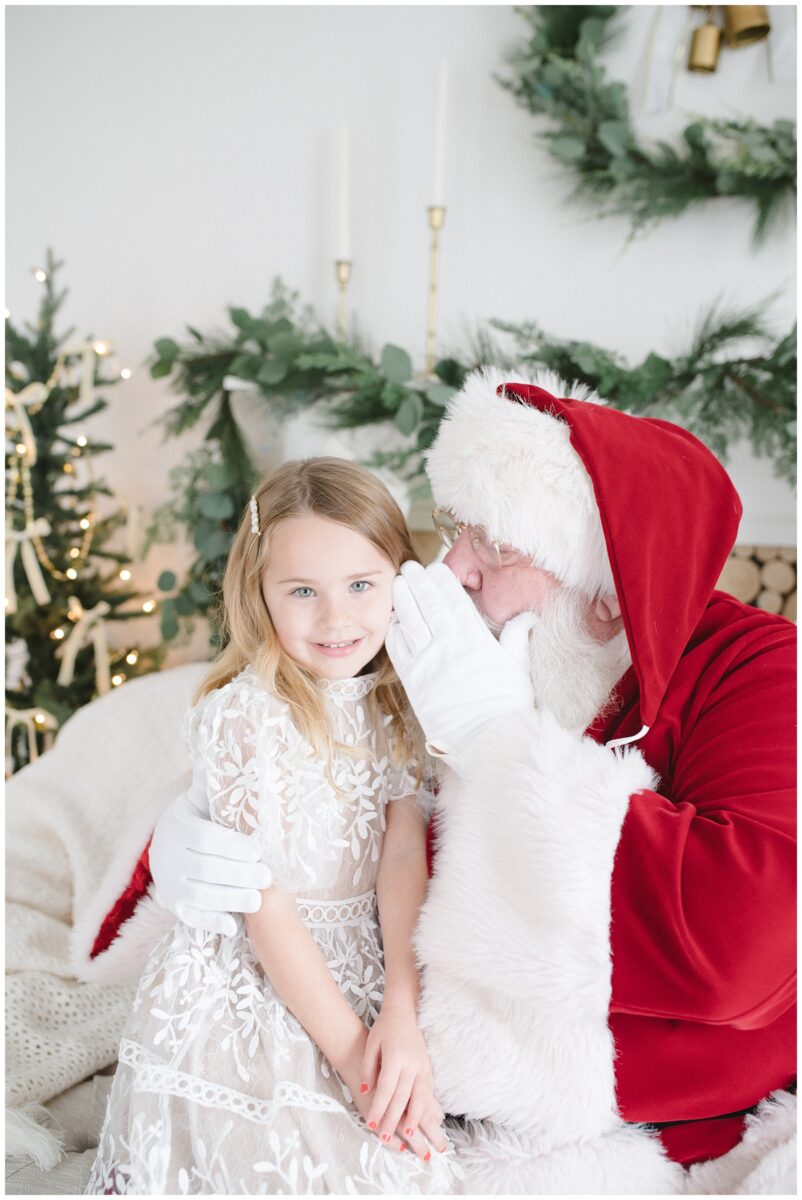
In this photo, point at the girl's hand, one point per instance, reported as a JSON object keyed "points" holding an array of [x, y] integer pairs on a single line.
{"points": [[350, 1071], [397, 1076]]}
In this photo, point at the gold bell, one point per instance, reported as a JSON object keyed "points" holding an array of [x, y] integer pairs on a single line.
{"points": [[745, 24], [705, 46]]}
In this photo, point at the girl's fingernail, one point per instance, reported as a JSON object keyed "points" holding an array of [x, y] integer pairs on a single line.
{"points": [[409, 1131], [363, 1087], [403, 1146], [371, 1124], [427, 1156], [441, 1149], [385, 1137]]}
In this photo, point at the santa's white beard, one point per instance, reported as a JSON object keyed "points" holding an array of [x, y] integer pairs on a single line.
{"points": [[573, 675]]}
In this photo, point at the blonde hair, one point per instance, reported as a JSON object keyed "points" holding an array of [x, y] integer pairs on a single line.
{"points": [[339, 491]]}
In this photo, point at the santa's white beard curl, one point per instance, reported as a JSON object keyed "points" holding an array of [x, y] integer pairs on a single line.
{"points": [[573, 675]]}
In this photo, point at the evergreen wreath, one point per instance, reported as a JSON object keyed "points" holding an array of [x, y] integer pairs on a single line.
{"points": [[736, 381], [556, 73]]}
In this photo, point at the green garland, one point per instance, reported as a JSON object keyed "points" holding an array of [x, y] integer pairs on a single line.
{"points": [[556, 74], [716, 390]]}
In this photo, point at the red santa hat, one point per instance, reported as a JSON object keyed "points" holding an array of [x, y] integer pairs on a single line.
{"points": [[511, 468]]}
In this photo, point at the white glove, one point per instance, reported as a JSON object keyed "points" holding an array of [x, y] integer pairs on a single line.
{"points": [[203, 873], [457, 676]]}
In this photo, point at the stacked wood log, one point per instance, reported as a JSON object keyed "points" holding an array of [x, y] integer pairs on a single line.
{"points": [[764, 576]]}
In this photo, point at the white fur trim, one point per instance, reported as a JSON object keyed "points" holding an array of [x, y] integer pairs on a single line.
{"points": [[123, 960], [764, 1161], [514, 935], [629, 1161], [27, 1136], [512, 469]]}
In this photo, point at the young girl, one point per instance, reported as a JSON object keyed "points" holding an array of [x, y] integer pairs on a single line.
{"points": [[288, 1059]]}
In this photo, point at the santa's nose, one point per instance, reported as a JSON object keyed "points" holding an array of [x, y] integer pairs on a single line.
{"points": [[464, 563]]}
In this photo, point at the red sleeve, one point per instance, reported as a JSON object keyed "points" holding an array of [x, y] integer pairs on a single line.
{"points": [[703, 888]]}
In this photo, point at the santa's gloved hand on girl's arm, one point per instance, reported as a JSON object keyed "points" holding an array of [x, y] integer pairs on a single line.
{"points": [[203, 872]]}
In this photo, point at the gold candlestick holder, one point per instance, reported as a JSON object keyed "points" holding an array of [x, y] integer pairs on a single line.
{"points": [[437, 216], [343, 268]]}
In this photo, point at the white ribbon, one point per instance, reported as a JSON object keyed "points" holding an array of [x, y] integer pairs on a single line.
{"points": [[21, 539], [18, 402], [89, 625], [47, 725]]}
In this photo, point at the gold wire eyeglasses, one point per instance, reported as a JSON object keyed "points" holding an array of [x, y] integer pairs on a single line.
{"points": [[492, 553]]}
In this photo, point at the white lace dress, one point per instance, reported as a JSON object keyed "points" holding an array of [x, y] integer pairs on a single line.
{"points": [[219, 1089]]}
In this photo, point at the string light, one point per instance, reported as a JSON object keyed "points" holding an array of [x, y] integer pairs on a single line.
{"points": [[40, 718], [75, 552], [100, 348], [20, 449], [125, 373], [117, 679], [71, 573], [58, 634], [125, 574], [85, 523], [39, 275], [81, 440], [69, 469], [132, 657], [148, 606]]}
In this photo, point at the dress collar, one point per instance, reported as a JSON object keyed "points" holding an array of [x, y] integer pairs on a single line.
{"points": [[349, 689]]}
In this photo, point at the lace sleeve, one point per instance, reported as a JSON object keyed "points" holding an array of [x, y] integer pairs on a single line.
{"points": [[403, 781], [249, 764], [223, 742]]}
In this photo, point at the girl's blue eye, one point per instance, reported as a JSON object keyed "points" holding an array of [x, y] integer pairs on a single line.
{"points": [[361, 585], [302, 592]]}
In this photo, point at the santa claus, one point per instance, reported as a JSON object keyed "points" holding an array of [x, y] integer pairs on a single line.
{"points": [[609, 936]]}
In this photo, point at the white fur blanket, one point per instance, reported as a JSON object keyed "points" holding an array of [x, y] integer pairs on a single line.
{"points": [[89, 801]]}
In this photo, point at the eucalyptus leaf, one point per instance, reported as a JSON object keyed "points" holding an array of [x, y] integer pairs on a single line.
{"points": [[198, 592], [568, 147], [167, 581], [184, 604], [409, 413], [168, 349], [440, 394], [615, 137], [284, 345], [169, 621], [272, 372], [161, 368], [240, 317], [216, 505], [396, 364]]}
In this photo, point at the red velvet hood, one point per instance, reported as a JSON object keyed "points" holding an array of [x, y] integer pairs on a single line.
{"points": [[669, 514]]}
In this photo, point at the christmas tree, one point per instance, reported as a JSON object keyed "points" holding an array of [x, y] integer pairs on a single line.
{"points": [[64, 584]]}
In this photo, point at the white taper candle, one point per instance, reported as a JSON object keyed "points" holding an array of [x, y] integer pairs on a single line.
{"points": [[439, 176], [344, 194]]}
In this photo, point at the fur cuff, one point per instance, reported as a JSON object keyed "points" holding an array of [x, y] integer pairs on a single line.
{"points": [[123, 962]]}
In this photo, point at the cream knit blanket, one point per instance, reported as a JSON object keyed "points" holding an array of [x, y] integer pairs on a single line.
{"points": [[85, 806]]}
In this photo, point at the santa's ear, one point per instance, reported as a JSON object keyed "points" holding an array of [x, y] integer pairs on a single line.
{"points": [[606, 608]]}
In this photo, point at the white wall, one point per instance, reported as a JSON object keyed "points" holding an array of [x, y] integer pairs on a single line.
{"points": [[179, 157]]}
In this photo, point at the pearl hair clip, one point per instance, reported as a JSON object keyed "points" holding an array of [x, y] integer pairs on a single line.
{"points": [[254, 515]]}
